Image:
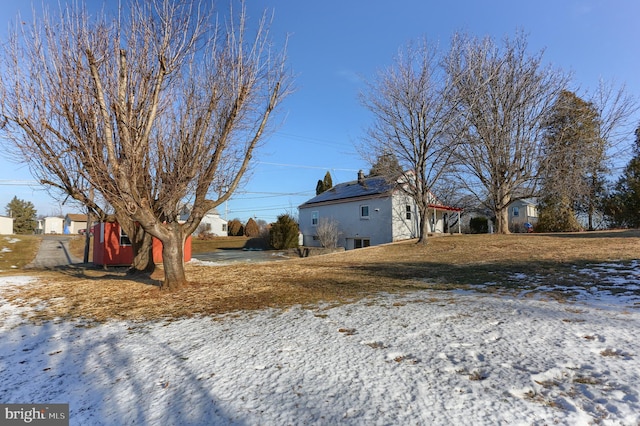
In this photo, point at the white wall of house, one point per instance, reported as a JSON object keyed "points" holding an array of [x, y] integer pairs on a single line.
{"points": [[53, 225], [6, 225], [362, 222], [405, 218], [374, 227], [521, 212], [214, 224]]}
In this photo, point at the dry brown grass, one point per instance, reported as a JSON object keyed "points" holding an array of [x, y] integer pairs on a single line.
{"points": [[445, 263], [16, 251]]}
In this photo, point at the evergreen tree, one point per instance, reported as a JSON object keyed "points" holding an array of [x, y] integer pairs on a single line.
{"points": [[284, 233], [386, 165], [325, 184], [573, 164], [622, 207], [24, 215], [251, 229]]}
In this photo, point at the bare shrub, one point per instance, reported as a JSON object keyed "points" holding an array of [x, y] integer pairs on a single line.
{"points": [[328, 232]]}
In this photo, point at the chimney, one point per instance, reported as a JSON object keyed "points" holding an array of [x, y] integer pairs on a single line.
{"points": [[360, 177]]}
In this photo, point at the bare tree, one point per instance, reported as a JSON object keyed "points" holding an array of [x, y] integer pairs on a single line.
{"points": [[328, 232], [413, 114], [504, 95], [159, 106]]}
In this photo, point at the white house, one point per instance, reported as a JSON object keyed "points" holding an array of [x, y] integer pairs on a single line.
{"points": [[52, 225], [211, 223], [368, 211], [6, 225], [521, 212]]}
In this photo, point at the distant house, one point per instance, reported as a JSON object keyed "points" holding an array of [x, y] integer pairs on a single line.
{"points": [[51, 225], [74, 222], [211, 222], [6, 225], [521, 212], [368, 211]]}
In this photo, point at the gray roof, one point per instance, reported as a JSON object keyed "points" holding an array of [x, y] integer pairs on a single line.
{"points": [[369, 187]]}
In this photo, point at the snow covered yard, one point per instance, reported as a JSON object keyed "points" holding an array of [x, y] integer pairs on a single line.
{"points": [[425, 357]]}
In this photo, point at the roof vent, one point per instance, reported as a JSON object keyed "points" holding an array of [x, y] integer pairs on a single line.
{"points": [[360, 177]]}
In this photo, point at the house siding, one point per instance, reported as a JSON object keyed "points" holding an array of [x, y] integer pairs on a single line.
{"points": [[6, 225], [526, 210], [53, 225], [386, 222]]}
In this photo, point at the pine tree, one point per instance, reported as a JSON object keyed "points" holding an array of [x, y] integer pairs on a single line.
{"points": [[24, 215], [386, 165], [573, 164], [328, 182], [284, 233], [325, 184], [622, 207]]}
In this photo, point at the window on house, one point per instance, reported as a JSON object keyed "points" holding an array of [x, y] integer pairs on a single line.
{"points": [[361, 242], [408, 210], [314, 218], [224, 227], [516, 211], [364, 212], [124, 239]]}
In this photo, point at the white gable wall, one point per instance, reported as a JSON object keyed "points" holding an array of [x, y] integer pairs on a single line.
{"points": [[405, 223], [376, 227], [217, 225], [6, 225], [53, 225], [387, 220]]}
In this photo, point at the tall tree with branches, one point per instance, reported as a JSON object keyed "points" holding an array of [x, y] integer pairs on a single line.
{"points": [[160, 105], [412, 122], [573, 153], [504, 95]]}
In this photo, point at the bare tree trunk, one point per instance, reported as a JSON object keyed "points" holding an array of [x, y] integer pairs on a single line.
{"points": [[424, 231], [502, 219], [142, 253], [173, 259]]}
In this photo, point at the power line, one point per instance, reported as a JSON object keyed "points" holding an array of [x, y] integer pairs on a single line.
{"points": [[12, 182], [300, 166]]}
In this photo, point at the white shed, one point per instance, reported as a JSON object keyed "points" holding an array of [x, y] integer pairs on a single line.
{"points": [[6, 225], [53, 225]]}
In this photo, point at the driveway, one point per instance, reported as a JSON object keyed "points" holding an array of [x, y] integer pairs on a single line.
{"points": [[53, 252]]}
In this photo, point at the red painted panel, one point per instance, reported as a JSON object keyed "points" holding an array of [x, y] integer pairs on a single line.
{"points": [[108, 251]]}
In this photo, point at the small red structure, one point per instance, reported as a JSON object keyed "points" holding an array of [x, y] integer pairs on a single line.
{"points": [[111, 246]]}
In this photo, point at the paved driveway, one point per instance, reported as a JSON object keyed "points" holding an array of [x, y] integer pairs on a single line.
{"points": [[54, 251]]}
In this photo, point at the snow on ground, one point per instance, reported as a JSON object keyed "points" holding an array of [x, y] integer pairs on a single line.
{"points": [[428, 357]]}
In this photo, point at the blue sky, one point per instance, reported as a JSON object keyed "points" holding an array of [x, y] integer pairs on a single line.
{"points": [[334, 44]]}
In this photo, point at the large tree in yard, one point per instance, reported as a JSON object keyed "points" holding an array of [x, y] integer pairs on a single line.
{"points": [[161, 104], [504, 95], [412, 123], [572, 150]]}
